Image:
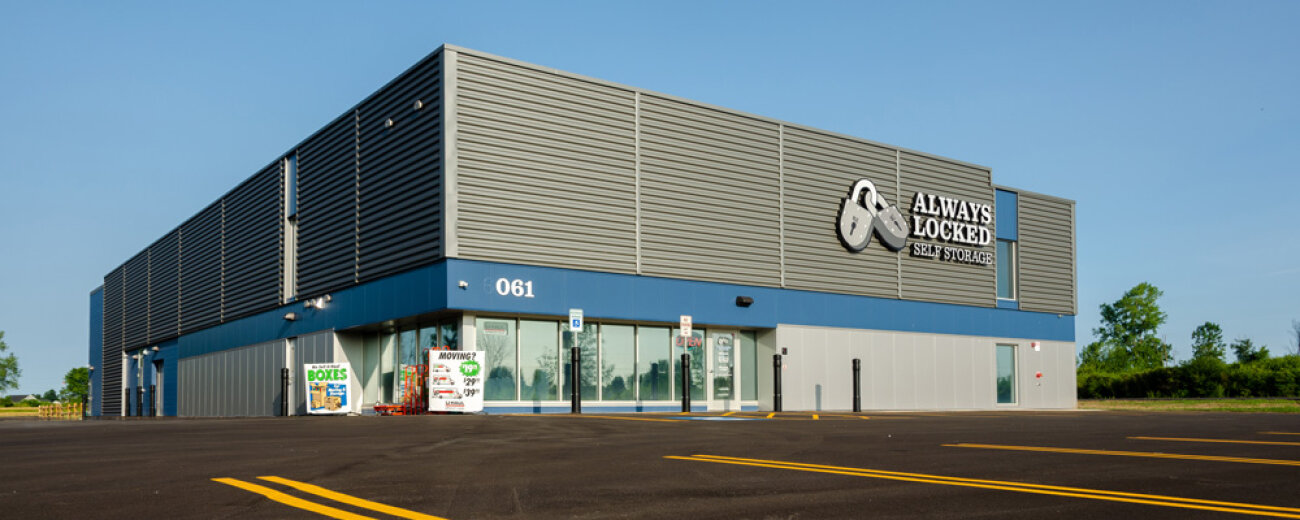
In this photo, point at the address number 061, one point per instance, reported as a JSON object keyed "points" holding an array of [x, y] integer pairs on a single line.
{"points": [[516, 287]]}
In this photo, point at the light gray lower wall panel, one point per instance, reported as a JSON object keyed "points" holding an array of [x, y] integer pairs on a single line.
{"points": [[1046, 254], [238, 382], [911, 371], [545, 168]]}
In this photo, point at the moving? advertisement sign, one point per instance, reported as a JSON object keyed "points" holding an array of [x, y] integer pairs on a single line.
{"points": [[455, 381], [328, 390]]}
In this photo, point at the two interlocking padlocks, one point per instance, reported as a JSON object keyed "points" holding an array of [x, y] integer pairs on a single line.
{"points": [[864, 212]]}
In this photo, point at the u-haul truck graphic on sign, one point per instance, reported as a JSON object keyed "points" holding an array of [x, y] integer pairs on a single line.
{"points": [[455, 381]]}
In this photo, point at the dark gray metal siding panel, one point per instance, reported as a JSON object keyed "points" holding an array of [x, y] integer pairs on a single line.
{"points": [[936, 280], [327, 209], [819, 170], [400, 189], [546, 168], [254, 242], [135, 332], [238, 382], [710, 204], [200, 269], [164, 287], [1047, 271], [111, 371]]}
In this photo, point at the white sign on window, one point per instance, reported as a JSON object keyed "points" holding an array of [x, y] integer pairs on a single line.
{"points": [[456, 381]]}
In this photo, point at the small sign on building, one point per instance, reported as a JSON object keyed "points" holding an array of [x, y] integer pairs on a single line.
{"points": [[575, 320], [685, 325], [329, 391], [456, 381]]}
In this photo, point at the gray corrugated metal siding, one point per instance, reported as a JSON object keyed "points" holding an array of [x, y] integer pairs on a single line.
{"points": [[200, 269], [327, 209], [936, 280], [254, 243], [243, 381], [164, 287], [1046, 254]]}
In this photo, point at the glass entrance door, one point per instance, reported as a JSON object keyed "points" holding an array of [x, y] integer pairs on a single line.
{"points": [[722, 370]]}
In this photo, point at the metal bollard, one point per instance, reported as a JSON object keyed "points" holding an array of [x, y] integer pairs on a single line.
{"points": [[575, 391], [139, 401], [686, 383], [857, 385], [154, 401], [284, 392], [776, 382]]}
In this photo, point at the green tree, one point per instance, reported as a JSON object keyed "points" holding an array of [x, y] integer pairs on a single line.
{"points": [[9, 371], [76, 385], [1207, 342], [1247, 352], [50, 395], [1127, 335]]}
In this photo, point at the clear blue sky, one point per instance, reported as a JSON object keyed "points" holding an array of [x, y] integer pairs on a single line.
{"points": [[1175, 125]]}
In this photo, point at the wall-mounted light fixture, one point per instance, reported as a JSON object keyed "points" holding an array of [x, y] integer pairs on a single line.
{"points": [[318, 302], [290, 316], [419, 104], [463, 284], [155, 348], [389, 123], [744, 301]]}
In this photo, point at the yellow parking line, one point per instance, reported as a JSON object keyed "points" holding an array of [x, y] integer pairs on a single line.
{"points": [[1153, 455], [626, 418], [1229, 441], [292, 501], [1094, 494], [815, 417], [728, 413], [770, 415], [863, 417], [1280, 433], [351, 500]]}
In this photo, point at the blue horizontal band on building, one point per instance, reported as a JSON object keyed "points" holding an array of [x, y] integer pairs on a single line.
{"points": [[612, 296]]}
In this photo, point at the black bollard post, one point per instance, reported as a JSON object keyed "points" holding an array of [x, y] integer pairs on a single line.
{"points": [[857, 385], [153, 400], [686, 383], [776, 382], [284, 392], [139, 401], [575, 393]]}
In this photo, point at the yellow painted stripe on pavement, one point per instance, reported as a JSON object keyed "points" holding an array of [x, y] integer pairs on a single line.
{"points": [[1280, 433], [627, 418], [351, 500], [770, 415], [728, 413], [1095, 494], [1277, 462], [1228, 441], [815, 417], [292, 501]]}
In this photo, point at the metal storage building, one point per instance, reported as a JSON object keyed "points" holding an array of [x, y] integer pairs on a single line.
{"points": [[473, 200]]}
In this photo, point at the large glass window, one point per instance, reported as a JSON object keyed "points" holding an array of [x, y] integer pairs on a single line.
{"points": [[539, 347], [652, 363], [1006, 270], [586, 342], [748, 366], [496, 338], [387, 353], [724, 365], [408, 355], [1006, 374], [693, 345], [451, 335], [617, 358]]}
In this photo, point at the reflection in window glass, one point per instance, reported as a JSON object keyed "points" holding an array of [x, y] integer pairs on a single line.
{"points": [[451, 335], [652, 363], [1006, 270], [587, 344], [387, 354], [617, 355], [539, 348], [408, 355], [496, 338], [428, 340], [1006, 374], [748, 366], [694, 346]]}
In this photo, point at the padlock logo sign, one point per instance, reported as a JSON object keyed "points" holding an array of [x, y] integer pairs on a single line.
{"points": [[863, 213]]}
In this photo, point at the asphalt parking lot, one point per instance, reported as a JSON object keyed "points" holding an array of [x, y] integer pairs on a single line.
{"points": [[744, 465]]}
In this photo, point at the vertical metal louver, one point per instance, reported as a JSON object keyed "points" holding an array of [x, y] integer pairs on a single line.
{"points": [[400, 165], [253, 235], [164, 287], [200, 269], [136, 305], [111, 371]]}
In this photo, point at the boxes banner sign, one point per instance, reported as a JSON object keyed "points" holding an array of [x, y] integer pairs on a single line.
{"points": [[328, 391], [455, 381]]}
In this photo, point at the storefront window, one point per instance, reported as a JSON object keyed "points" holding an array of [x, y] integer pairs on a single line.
{"points": [[451, 335], [586, 341], [538, 360], [408, 355], [1006, 270], [748, 366], [387, 375], [693, 345], [496, 338], [617, 357], [652, 363]]}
